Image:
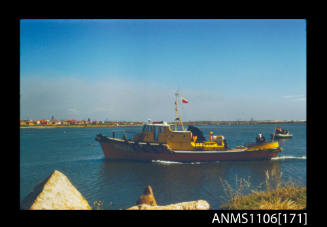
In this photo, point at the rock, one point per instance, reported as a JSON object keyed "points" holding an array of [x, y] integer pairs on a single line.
{"points": [[193, 205], [55, 193], [148, 202], [147, 197]]}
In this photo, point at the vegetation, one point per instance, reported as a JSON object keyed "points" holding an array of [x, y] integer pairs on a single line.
{"points": [[270, 195]]}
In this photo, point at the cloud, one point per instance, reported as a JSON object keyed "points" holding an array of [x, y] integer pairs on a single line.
{"points": [[292, 96], [100, 109], [295, 97], [300, 99], [73, 111]]}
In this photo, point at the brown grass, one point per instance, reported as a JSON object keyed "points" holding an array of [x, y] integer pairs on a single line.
{"points": [[270, 195]]}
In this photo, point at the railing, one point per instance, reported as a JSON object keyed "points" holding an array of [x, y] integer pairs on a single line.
{"points": [[123, 134]]}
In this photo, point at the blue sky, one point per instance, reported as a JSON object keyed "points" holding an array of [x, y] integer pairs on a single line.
{"points": [[130, 69]]}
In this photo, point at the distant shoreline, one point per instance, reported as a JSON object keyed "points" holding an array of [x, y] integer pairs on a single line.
{"points": [[185, 123], [240, 122], [76, 126]]}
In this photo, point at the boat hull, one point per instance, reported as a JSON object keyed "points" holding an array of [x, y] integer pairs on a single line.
{"points": [[130, 150], [282, 136]]}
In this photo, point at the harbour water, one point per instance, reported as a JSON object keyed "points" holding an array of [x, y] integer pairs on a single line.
{"points": [[118, 184]]}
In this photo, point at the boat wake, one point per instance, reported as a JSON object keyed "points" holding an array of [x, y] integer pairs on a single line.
{"points": [[172, 162], [289, 157], [197, 163], [188, 163], [166, 162]]}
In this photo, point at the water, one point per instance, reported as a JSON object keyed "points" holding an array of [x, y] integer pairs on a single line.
{"points": [[118, 184]]}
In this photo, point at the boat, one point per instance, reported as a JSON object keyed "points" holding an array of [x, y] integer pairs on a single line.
{"points": [[281, 134], [159, 140]]}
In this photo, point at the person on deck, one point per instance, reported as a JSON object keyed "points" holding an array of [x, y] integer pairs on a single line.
{"points": [[278, 130], [260, 138]]}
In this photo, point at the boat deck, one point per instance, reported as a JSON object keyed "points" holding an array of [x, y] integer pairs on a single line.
{"points": [[213, 151]]}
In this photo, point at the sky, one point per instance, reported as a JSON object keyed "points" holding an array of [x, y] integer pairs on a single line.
{"points": [[129, 70]]}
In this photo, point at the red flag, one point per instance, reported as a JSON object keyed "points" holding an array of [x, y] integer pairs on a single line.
{"points": [[184, 100]]}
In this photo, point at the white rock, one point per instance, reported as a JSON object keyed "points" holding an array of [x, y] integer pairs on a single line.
{"points": [[55, 193]]}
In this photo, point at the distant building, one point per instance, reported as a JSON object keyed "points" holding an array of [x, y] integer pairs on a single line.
{"points": [[83, 122], [44, 122], [95, 122], [30, 122], [110, 122], [72, 122], [54, 122], [64, 123]]}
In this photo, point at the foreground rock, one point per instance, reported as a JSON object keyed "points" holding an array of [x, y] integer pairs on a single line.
{"points": [[147, 197], [148, 202], [193, 205], [55, 193]]}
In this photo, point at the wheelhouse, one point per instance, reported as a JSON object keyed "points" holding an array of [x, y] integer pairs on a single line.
{"points": [[161, 132], [157, 132]]}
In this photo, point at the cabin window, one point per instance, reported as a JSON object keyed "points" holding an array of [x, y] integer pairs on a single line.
{"points": [[155, 133], [147, 128]]}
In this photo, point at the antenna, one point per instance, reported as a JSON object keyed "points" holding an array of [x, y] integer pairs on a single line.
{"points": [[178, 117]]}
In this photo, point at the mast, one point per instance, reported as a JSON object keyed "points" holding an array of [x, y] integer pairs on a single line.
{"points": [[178, 117]]}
